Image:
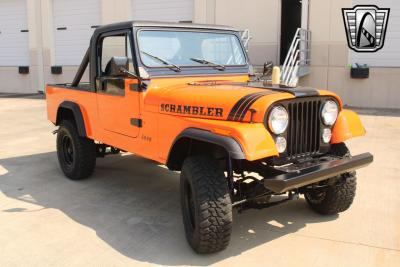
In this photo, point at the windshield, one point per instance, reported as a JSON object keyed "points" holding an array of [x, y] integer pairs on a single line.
{"points": [[185, 48]]}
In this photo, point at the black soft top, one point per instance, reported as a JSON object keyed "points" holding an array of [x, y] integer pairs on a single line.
{"points": [[156, 24], [92, 50]]}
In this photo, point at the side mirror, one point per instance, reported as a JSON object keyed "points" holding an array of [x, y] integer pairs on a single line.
{"points": [[268, 66], [116, 66]]}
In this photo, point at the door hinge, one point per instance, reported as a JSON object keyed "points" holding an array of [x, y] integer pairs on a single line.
{"points": [[136, 122], [138, 87]]}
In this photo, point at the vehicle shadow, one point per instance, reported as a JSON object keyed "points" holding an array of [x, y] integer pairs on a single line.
{"points": [[133, 205]]}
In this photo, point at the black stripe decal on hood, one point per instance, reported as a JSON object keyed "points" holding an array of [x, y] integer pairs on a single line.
{"points": [[240, 109], [244, 111], [246, 105], [238, 104]]}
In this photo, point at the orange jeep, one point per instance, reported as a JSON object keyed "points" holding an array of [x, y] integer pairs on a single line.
{"points": [[182, 95]]}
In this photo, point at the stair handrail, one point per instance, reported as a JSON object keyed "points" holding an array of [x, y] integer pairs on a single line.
{"points": [[298, 56]]}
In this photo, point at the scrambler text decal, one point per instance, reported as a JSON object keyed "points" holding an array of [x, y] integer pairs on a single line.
{"points": [[192, 110]]}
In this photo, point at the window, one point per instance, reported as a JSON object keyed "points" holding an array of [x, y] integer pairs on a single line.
{"points": [[180, 47], [114, 46]]}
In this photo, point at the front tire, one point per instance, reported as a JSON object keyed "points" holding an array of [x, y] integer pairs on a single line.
{"points": [[338, 194], [76, 154], [206, 205]]}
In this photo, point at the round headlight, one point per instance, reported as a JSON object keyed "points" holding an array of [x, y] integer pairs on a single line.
{"points": [[278, 120], [330, 112]]}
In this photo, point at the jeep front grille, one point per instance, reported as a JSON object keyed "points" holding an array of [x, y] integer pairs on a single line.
{"points": [[303, 134]]}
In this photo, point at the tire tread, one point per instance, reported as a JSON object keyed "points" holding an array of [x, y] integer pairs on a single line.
{"points": [[215, 207], [340, 195], [85, 153]]}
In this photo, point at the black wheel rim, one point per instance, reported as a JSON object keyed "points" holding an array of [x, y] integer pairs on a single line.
{"points": [[190, 206], [68, 150]]}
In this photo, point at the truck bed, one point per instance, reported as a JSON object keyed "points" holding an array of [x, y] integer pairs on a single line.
{"points": [[82, 86]]}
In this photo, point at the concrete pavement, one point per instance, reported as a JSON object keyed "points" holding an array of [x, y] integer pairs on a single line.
{"points": [[128, 213]]}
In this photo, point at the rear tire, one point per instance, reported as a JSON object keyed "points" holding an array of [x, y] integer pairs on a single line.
{"points": [[206, 205], [339, 193], [76, 154]]}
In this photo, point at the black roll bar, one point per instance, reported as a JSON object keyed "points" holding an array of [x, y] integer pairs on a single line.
{"points": [[81, 70]]}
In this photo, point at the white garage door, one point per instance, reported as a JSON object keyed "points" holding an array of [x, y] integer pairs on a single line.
{"points": [[74, 23], [14, 46], [389, 55], [163, 10]]}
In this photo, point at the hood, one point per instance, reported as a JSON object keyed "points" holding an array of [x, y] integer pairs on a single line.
{"points": [[222, 100]]}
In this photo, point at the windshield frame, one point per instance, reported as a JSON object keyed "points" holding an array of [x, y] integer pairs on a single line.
{"points": [[194, 66]]}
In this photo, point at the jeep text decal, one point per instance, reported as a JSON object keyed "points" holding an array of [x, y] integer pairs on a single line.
{"points": [[192, 110]]}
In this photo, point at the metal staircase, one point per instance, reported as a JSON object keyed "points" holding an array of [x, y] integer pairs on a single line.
{"points": [[246, 37], [297, 62]]}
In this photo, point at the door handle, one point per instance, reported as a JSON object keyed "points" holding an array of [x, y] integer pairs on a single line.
{"points": [[136, 122]]}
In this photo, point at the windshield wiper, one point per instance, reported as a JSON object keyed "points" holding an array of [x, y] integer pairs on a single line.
{"points": [[209, 63], [166, 63]]}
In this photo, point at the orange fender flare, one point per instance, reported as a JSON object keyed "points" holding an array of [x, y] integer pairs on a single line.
{"points": [[348, 125]]}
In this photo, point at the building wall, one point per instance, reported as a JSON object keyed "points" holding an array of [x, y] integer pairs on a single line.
{"points": [[41, 47], [329, 51], [330, 60], [259, 16], [330, 55], [10, 79], [110, 13]]}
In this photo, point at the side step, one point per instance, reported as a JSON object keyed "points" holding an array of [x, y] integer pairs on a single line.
{"points": [[284, 182]]}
